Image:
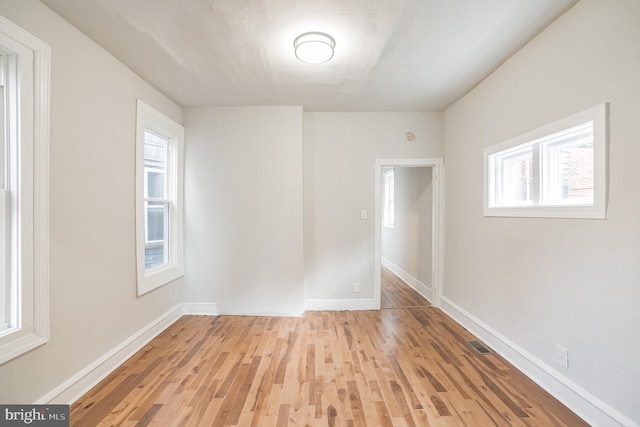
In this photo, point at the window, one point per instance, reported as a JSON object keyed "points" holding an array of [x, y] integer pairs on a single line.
{"points": [[4, 195], [558, 170], [156, 200], [388, 216], [159, 176], [24, 163]]}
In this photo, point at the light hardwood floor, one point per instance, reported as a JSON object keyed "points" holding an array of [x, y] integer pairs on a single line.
{"points": [[397, 294], [395, 367]]}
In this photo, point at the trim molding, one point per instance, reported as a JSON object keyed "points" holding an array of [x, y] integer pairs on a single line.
{"points": [[339, 304], [437, 248], [77, 385], [584, 404], [265, 314], [211, 309], [29, 172], [410, 280], [201, 308]]}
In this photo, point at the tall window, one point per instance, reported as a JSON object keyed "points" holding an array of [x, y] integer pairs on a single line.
{"points": [[4, 195], [159, 199], [5, 296], [388, 215], [156, 200], [24, 151], [555, 171]]}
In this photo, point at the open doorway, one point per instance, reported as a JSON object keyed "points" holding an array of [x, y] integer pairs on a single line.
{"points": [[406, 236], [409, 223]]}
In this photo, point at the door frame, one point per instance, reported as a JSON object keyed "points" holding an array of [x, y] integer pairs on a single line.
{"points": [[437, 206]]}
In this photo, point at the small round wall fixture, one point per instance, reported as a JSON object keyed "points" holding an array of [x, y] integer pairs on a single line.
{"points": [[314, 48]]}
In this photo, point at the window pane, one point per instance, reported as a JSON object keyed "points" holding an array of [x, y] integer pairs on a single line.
{"points": [[155, 184], [388, 215], [3, 101], [4, 211], [569, 167], [156, 249], [515, 183], [155, 164], [4, 262], [392, 208]]}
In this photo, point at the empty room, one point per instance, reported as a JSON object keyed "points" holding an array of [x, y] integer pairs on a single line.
{"points": [[320, 213]]}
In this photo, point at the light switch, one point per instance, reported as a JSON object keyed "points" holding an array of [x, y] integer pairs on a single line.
{"points": [[363, 214]]}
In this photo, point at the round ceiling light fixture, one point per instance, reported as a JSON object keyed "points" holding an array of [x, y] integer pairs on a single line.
{"points": [[314, 48]]}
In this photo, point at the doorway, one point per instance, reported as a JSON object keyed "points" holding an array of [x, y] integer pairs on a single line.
{"points": [[430, 271]]}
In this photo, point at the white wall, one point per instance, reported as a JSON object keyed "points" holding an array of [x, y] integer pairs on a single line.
{"points": [[542, 282], [408, 244], [243, 212], [92, 212], [339, 160]]}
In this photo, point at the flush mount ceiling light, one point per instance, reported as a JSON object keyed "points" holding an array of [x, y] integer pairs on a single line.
{"points": [[314, 48]]}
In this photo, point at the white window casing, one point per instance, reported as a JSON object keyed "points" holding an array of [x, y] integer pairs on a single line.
{"points": [[167, 205], [556, 171], [24, 193]]}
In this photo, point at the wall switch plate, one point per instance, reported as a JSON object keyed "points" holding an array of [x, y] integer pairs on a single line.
{"points": [[562, 356], [363, 214], [356, 287]]}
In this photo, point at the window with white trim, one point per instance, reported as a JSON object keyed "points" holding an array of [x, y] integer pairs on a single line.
{"points": [[4, 195], [24, 191], [159, 207], [388, 214], [558, 170]]}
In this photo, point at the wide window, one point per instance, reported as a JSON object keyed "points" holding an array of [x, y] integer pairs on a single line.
{"points": [[24, 163], [159, 208], [388, 215], [555, 171]]}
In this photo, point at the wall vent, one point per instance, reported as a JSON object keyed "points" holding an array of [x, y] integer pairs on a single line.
{"points": [[479, 347]]}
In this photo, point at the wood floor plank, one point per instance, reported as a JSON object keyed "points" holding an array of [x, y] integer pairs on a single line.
{"points": [[396, 367]]}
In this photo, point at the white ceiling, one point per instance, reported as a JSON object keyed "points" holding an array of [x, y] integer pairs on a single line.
{"points": [[391, 55]]}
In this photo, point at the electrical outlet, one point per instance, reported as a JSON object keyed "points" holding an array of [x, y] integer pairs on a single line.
{"points": [[562, 356], [356, 287], [363, 214]]}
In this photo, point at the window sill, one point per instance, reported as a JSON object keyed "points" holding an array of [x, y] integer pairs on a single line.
{"points": [[568, 212], [18, 345], [148, 282]]}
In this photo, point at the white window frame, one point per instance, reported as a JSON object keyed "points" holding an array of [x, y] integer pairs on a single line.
{"points": [[148, 170], [540, 206], [388, 213], [4, 205], [4, 260], [149, 119], [25, 198]]}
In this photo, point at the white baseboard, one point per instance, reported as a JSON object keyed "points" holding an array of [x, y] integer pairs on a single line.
{"points": [[584, 404], [211, 309], [339, 304], [264, 314], [407, 278], [200, 308], [73, 388]]}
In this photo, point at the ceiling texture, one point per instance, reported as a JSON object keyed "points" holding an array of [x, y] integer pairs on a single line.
{"points": [[390, 55]]}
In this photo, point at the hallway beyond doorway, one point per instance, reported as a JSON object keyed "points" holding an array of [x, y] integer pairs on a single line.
{"points": [[397, 294]]}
